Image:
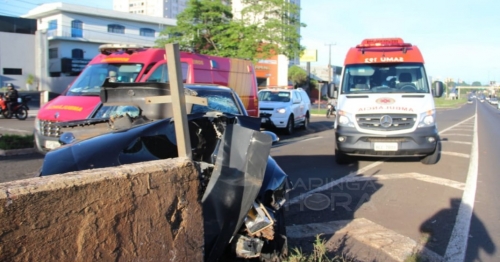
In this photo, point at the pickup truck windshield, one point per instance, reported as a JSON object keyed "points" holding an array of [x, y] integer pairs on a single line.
{"points": [[385, 78], [89, 82]]}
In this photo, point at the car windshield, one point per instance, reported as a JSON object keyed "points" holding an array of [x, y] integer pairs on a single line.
{"points": [[385, 78], [89, 82], [218, 100], [274, 96]]}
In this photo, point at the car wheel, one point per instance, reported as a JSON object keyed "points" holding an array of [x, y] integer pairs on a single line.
{"points": [[341, 158], [306, 122], [289, 126], [276, 249], [432, 158]]}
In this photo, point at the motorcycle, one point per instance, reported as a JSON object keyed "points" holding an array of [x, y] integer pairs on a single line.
{"points": [[19, 109], [330, 111]]}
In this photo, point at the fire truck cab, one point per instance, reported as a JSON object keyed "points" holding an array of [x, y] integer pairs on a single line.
{"points": [[385, 104]]}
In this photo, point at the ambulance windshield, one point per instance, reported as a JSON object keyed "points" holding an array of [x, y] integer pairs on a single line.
{"points": [[89, 82], [385, 78]]}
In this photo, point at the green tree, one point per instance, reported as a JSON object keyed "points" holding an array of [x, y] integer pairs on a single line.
{"points": [[203, 27], [297, 75], [263, 28], [276, 25], [476, 83]]}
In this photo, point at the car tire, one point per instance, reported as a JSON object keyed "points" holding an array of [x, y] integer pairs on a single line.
{"points": [[432, 158], [305, 125], [341, 158], [289, 126], [277, 249]]}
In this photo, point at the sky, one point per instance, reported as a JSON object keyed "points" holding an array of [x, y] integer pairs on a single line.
{"points": [[458, 39]]}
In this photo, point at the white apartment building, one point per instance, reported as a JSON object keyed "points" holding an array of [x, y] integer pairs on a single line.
{"points": [[69, 36], [157, 8]]}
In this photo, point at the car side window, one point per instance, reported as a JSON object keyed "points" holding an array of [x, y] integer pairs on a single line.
{"points": [[297, 96]]}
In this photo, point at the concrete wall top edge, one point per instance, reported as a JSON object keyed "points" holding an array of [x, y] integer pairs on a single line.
{"points": [[72, 179]]}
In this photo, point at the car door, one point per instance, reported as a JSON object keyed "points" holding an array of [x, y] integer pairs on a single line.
{"points": [[298, 107]]}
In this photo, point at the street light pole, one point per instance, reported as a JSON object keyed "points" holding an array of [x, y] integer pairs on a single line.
{"points": [[330, 61], [329, 67]]}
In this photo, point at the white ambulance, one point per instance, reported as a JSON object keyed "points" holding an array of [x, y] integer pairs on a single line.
{"points": [[385, 105]]}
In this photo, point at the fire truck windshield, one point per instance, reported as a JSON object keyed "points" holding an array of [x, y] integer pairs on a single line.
{"points": [[385, 78], [89, 82]]}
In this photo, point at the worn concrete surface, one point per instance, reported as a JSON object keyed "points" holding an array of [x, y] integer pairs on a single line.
{"points": [[143, 212]]}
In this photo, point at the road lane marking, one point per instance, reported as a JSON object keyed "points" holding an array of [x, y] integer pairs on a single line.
{"points": [[455, 154], [351, 178], [456, 134], [16, 130], [457, 246], [457, 142], [333, 183], [463, 129], [367, 233], [295, 140], [455, 125]]}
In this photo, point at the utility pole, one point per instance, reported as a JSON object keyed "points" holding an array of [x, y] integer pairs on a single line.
{"points": [[330, 60], [330, 80]]}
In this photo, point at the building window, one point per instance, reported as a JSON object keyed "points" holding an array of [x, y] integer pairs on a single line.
{"points": [[76, 28], [77, 53], [117, 29], [147, 32], [52, 53], [52, 25], [12, 71]]}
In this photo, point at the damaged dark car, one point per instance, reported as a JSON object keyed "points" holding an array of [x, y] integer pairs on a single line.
{"points": [[232, 152]]}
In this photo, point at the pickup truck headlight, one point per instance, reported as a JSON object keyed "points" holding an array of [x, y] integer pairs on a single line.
{"points": [[281, 110], [345, 119], [428, 119]]}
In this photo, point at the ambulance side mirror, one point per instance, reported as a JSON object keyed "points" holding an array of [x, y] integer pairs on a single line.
{"points": [[438, 89]]}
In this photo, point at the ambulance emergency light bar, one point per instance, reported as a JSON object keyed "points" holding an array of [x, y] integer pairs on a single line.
{"points": [[383, 42], [108, 49]]}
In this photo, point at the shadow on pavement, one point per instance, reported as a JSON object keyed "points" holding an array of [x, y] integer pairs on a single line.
{"points": [[437, 233]]}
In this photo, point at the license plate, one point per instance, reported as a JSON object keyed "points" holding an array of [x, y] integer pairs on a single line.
{"points": [[386, 146], [52, 144]]}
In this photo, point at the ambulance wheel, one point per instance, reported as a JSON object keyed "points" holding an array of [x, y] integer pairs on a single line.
{"points": [[341, 158], [432, 158]]}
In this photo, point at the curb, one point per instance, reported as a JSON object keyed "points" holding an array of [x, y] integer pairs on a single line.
{"points": [[15, 152]]}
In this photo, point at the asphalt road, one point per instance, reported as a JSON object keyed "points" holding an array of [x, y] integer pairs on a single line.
{"points": [[393, 206]]}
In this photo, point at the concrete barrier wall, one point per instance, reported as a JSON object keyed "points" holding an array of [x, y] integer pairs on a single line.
{"points": [[143, 212]]}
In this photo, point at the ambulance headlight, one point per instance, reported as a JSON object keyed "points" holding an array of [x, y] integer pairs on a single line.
{"points": [[428, 119], [345, 119]]}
